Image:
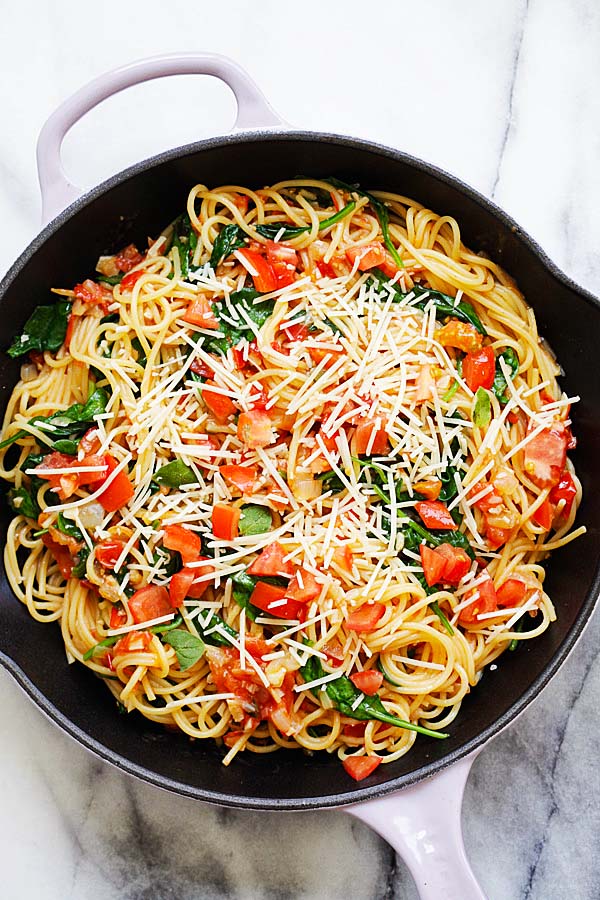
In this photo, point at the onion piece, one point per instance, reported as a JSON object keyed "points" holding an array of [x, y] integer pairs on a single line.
{"points": [[29, 372], [91, 515]]}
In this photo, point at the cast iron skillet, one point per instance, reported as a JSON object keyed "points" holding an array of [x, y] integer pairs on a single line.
{"points": [[138, 202]]}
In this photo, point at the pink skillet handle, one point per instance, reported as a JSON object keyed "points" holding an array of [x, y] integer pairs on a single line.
{"points": [[422, 823], [253, 111]]}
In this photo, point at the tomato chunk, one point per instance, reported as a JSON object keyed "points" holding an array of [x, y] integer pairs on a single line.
{"points": [[368, 682], [255, 428], [271, 562], [368, 255], [184, 541], [434, 565], [435, 515], [343, 558], [545, 455], [365, 618], [108, 553], [564, 490], [221, 406], [429, 488], [61, 555], [359, 767], [272, 599], [200, 312], [461, 335], [303, 587], [244, 478], [283, 260], [484, 600], [511, 593], [128, 281], [543, 515], [118, 492], [263, 276], [370, 438], [479, 369], [150, 602], [179, 586], [225, 521], [458, 562]]}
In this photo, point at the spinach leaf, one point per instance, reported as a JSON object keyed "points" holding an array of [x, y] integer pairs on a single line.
{"points": [[187, 646], [66, 526], [500, 386], [45, 329], [234, 327], [291, 231], [215, 638], [449, 488], [101, 645], [174, 474], [447, 397], [185, 241], [24, 502], [380, 210], [113, 638], [68, 424], [228, 239], [255, 519], [110, 279], [79, 569], [242, 587], [443, 619], [482, 411], [68, 447], [141, 356]]}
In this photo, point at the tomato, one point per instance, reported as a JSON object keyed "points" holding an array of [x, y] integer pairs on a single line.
{"points": [[117, 617], [458, 562], [221, 406], [180, 584], [133, 642], [496, 537], [108, 553], [255, 429], [334, 652], [70, 330], [325, 270], [359, 767], [269, 597], [200, 312], [128, 258], [65, 482], [545, 456], [271, 562], [128, 281], [424, 384], [94, 294], [318, 354], [355, 731], [388, 266], [511, 593], [434, 565], [543, 515], [61, 555], [303, 587], [242, 201], [370, 438], [184, 541], [263, 275], [284, 261], [565, 490], [367, 256], [368, 681], [197, 590], [479, 369], [118, 492], [461, 335], [257, 646], [484, 600], [150, 602], [296, 332], [225, 521], [90, 442], [343, 558], [200, 367], [429, 488], [242, 477], [365, 618], [435, 514]]}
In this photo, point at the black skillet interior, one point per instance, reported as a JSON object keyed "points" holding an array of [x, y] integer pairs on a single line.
{"points": [[139, 203]]}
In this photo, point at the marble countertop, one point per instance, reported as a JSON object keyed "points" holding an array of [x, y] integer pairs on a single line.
{"points": [[504, 96]]}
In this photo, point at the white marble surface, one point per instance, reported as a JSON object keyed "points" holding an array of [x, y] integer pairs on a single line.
{"points": [[504, 95]]}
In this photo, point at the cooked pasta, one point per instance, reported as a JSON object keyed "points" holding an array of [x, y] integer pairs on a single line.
{"points": [[287, 478]]}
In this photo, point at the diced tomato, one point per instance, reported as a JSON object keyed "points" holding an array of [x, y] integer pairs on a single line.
{"points": [[200, 312], [303, 587], [334, 652], [117, 617], [150, 602], [271, 562], [318, 354], [257, 646], [269, 597], [458, 562], [90, 442], [543, 515], [564, 490], [108, 553], [61, 555], [242, 477], [118, 492], [94, 294], [325, 269], [220, 406], [545, 455], [128, 281], [70, 330], [511, 593], [344, 558], [368, 255], [182, 540], [484, 600], [128, 258], [434, 565], [370, 438], [435, 515], [197, 590], [133, 642], [368, 681], [357, 730], [225, 521], [296, 332], [232, 737], [424, 384], [479, 369], [200, 367], [461, 335], [496, 537], [365, 618], [263, 276], [429, 488], [180, 584], [359, 767], [242, 201], [66, 483], [284, 261], [255, 429]]}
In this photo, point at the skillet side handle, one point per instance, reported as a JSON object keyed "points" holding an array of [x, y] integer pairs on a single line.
{"points": [[253, 111], [422, 823]]}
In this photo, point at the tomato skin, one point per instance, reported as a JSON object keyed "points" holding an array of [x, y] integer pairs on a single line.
{"points": [[284, 261], [434, 565], [127, 258], [544, 515], [545, 456], [149, 602], [90, 442], [356, 730], [461, 335], [265, 595], [179, 586], [255, 429], [479, 369], [184, 541], [197, 590], [368, 255], [365, 618], [309, 590], [511, 593], [334, 652], [325, 270], [67, 483], [117, 617], [368, 681], [133, 642], [70, 330], [271, 562], [118, 492], [318, 354], [244, 478], [60, 553], [359, 767], [564, 490], [263, 276], [94, 294], [458, 563], [128, 281], [108, 553], [344, 558], [225, 521], [496, 537], [429, 488], [296, 332], [485, 602], [362, 438], [221, 406], [435, 515], [200, 312]]}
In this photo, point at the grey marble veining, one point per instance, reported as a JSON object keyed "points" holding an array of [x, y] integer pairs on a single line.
{"points": [[505, 96]]}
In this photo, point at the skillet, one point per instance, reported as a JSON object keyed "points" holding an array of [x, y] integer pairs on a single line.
{"points": [[423, 821]]}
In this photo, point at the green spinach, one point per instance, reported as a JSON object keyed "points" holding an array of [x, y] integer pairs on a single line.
{"points": [[174, 474], [228, 239], [70, 423], [188, 648], [287, 232], [255, 519], [380, 210], [500, 385], [45, 329], [482, 411]]}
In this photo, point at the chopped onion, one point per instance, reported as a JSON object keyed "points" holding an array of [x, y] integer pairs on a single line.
{"points": [[91, 515], [306, 488], [29, 372]]}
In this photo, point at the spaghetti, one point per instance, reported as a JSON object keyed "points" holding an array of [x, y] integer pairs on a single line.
{"points": [[287, 478]]}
